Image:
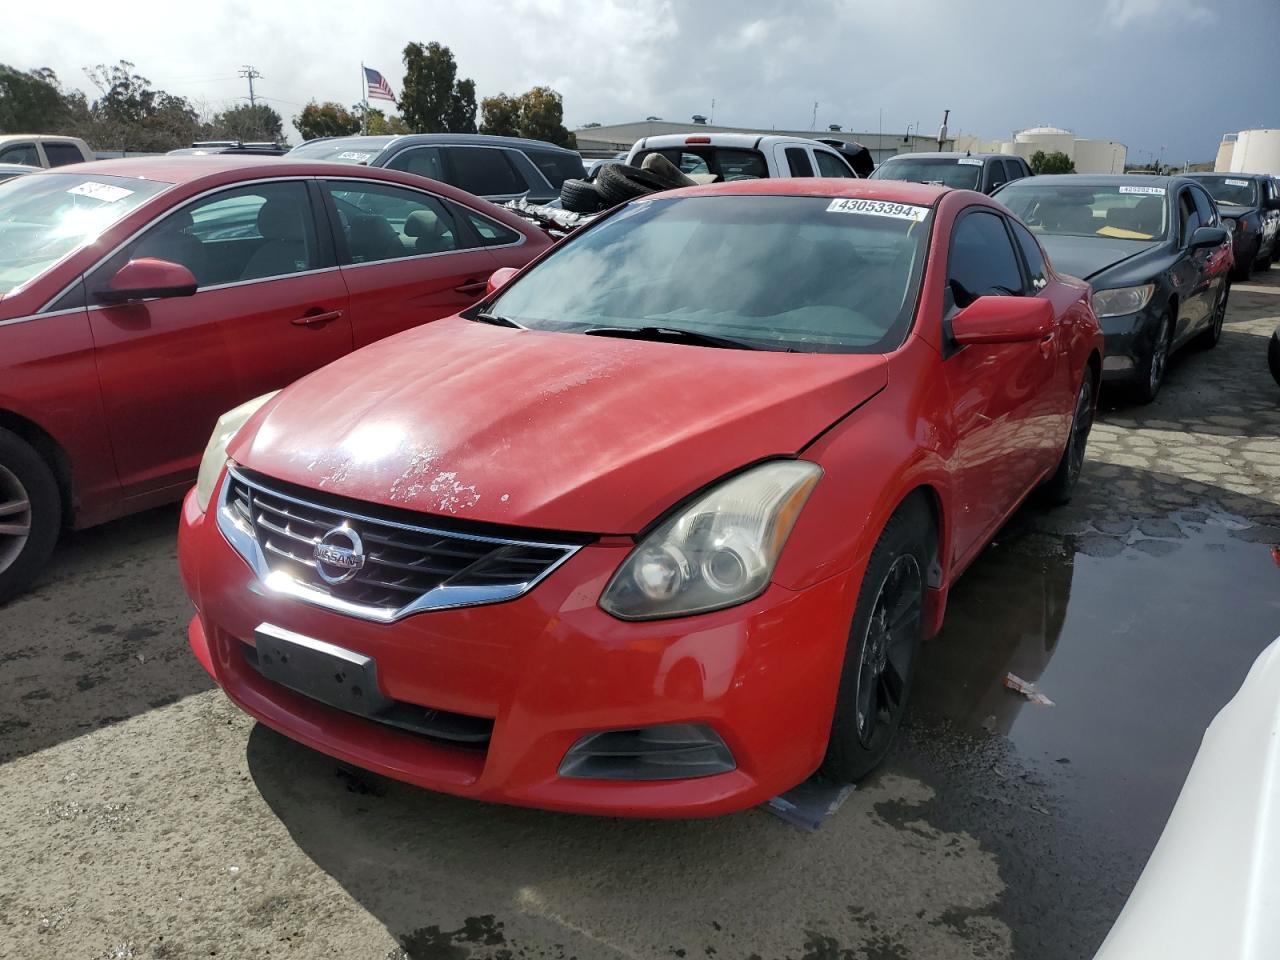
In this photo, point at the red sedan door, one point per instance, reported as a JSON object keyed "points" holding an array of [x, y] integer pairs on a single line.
{"points": [[271, 306], [1007, 399], [408, 256]]}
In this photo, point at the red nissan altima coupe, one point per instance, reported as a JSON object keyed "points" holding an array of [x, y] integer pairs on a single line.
{"points": [[141, 298], [659, 526]]}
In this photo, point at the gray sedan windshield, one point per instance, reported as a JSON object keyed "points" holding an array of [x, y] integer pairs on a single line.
{"points": [[814, 274], [46, 216]]}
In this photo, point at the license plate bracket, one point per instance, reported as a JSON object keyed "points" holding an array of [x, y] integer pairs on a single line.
{"points": [[323, 671]]}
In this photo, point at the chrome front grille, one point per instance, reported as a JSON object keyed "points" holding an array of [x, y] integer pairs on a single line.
{"points": [[404, 567]]}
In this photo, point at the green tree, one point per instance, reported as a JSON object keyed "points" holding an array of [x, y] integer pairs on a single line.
{"points": [[1056, 162], [432, 99], [31, 101], [379, 123], [130, 114], [247, 123], [500, 115], [326, 119]]}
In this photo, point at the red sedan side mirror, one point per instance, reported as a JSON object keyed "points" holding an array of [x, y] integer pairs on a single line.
{"points": [[499, 278], [148, 277], [1003, 320]]}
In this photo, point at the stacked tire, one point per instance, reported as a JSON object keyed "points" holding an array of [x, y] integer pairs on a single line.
{"points": [[619, 182]]}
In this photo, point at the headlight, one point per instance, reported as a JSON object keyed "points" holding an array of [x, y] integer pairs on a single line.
{"points": [[215, 454], [1122, 300], [718, 551], [1229, 223]]}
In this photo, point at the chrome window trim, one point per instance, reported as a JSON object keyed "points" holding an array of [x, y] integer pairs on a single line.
{"points": [[154, 220], [440, 598], [444, 202], [40, 316]]}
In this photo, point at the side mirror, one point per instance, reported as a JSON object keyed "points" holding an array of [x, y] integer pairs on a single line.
{"points": [[146, 278], [1003, 320], [499, 278], [1206, 238]]}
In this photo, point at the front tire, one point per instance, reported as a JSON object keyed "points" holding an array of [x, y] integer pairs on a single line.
{"points": [[1209, 339], [1154, 365], [1059, 488], [884, 639], [30, 514]]}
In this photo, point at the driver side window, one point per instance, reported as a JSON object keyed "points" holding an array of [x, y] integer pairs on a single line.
{"points": [[981, 261]]}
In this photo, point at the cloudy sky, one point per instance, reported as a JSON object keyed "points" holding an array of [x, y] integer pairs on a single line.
{"points": [[1171, 74]]}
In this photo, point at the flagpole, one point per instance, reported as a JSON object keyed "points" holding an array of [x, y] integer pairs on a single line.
{"points": [[364, 99]]}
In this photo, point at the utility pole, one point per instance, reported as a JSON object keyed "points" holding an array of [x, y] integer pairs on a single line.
{"points": [[250, 74], [813, 123]]}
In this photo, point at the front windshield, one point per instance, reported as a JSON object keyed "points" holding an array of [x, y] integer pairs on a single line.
{"points": [[341, 150], [812, 274], [47, 216], [1243, 193], [1119, 212], [963, 173]]}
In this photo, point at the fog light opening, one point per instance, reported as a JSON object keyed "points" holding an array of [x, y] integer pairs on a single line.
{"points": [[676, 751]]}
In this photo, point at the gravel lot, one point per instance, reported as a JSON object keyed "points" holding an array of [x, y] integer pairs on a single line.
{"points": [[145, 817]]}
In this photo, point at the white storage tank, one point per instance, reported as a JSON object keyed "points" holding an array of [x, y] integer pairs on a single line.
{"points": [[1048, 139], [1256, 151], [1100, 156]]}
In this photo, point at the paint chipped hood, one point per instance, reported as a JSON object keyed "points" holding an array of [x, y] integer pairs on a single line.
{"points": [[556, 431], [1212, 885]]}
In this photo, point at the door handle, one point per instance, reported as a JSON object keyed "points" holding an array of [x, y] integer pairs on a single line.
{"points": [[472, 288], [317, 318], [1046, 345]]}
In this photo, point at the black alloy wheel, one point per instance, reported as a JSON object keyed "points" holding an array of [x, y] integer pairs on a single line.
{"points": [[1156, 364]]}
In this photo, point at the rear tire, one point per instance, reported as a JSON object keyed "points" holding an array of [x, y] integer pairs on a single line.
{"points": [[1156, 362], [30, 514], [884, 639], [1059, 488]]}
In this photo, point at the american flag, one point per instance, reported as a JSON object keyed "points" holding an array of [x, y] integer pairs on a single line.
{"points": [[379, 89]]}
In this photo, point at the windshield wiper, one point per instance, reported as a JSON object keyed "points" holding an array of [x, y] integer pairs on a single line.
{"points": [[496, 320], [672, 333]]}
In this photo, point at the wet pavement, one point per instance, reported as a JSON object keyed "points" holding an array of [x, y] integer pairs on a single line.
{"points": [[146, 818]]}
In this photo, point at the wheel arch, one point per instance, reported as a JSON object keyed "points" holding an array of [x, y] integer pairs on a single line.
{"points": [[50, 451]]}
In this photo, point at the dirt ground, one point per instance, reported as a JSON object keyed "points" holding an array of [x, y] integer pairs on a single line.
{"points": [[144, 817]]}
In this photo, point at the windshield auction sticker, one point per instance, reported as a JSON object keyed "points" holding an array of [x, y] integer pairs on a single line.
{"points": [[970, 161], [1236, 183], [1146, 191], [879, 208], [354, 155], [106, 192]]}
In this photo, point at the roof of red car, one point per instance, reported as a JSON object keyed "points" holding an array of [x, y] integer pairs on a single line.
{"points": [[180, 169], [895, 191]]}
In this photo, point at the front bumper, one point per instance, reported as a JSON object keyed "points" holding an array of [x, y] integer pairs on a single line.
{"points": [[547, 669], [1128, 342]]}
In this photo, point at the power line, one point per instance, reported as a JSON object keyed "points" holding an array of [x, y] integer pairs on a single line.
{"points": [[251, 74]]}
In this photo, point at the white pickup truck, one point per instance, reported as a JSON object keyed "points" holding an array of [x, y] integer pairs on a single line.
{"points": [[41, 150], [743, 156]]}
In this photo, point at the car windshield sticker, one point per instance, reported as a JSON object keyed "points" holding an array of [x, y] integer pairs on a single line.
{"points": [[970, 161], [1236, 183], [879, 208], [100, 191], [1148, 191], [355, 155]]}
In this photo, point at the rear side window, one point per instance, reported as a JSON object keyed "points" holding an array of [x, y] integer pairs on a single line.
{"points": [[484, 171], [491, 234], [556, 167], [798, 162], [1031, 254], [60, 154], [423, 161], [982, 260], [829, 165], [24, 153]]}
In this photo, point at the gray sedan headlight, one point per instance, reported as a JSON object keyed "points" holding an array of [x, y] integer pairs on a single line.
{"points": [[718, 551], [1122, 300]]}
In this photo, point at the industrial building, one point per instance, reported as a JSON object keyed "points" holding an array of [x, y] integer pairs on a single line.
{"points": [[1249, 151], [607, 141], [1089, 156]]}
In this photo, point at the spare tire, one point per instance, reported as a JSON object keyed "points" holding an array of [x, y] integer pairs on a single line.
{"points": [[620, 182], [659, 166], [579, 196]]}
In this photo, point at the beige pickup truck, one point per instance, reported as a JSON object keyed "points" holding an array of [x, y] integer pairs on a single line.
{"points": [[40, 150]]}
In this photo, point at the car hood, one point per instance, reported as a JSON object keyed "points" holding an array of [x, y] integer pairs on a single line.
{"points": [[1236, 209], [556, 431], [1084, 257]]}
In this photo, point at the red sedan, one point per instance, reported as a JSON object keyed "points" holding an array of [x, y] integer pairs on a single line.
{"points": [[658, 528], [141, 298]]}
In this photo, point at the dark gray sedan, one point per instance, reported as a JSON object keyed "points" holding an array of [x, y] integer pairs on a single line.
{"points": [[1154, 250], [1250, 208]]}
